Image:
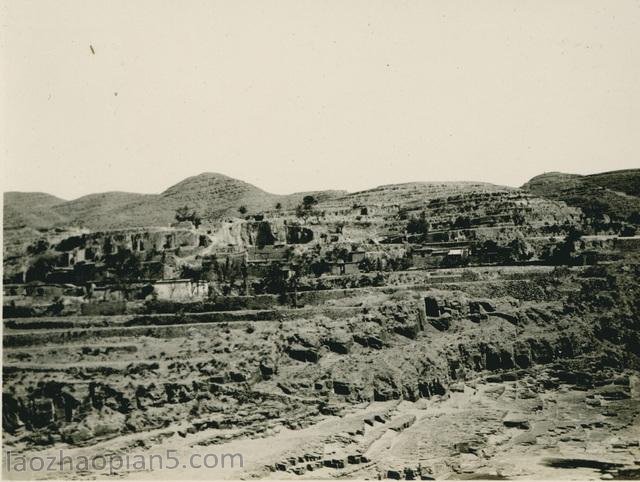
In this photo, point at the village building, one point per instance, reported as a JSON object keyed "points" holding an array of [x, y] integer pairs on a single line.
{"points": [[456, 257], [132, 291], [269, 253], [44, 290], [425, 258], [341, 267], [357, 256], [70, 258], [181, 289]]}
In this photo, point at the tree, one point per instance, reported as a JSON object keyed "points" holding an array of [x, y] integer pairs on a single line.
{"points": [[462, 222], [41, 267], [628, 231], [418, 225], [278, 206], [490, 252], [564, 253], [520, 250], [70, 243], [309, 201], [125, 264], [634, 217], [242, 210], [185, 214], [274, 281], [305, 208]]}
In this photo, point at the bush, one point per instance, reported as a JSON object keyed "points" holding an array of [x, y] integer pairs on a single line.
{"points": [[38, 247]]}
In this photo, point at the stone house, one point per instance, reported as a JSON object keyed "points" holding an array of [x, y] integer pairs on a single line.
{"points": [[424, 258], [181, 289], [275, 252]]}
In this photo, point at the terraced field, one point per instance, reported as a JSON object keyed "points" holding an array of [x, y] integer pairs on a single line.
{"points": [[505, 379]]}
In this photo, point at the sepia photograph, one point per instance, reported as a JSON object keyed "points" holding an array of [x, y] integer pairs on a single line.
{"points": [[320, 239]]}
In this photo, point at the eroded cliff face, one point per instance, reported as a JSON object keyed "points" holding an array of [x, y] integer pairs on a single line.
{"points": [[243, 233], [84, 381]]}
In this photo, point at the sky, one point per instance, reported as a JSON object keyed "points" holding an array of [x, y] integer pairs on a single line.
{"points": [[296, 95]]}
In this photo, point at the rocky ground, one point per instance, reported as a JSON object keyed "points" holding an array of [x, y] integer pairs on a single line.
{"points": [[477, 379]]}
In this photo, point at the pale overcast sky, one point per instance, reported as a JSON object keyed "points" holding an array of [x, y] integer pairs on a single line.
{"points": [[300, 95]]}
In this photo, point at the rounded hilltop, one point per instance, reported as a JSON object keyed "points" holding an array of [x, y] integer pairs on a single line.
{"points": [[614, 193], [202, 181], [30, 209]]}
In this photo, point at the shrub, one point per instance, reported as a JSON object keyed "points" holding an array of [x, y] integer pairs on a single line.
{"points": [[38, 247]]}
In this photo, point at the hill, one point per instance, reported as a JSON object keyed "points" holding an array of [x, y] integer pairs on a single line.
{"points": [[435, 212], [615, 193], [95, 210], [31, 209], [215, 196], [410, 193], [626, 181]]}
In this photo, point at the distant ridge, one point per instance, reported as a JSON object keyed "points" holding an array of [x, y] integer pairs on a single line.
{"points": [[212, 195], [216, 196]]}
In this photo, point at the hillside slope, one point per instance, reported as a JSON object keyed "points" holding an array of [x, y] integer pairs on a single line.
{"points": [[615, 193]]}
